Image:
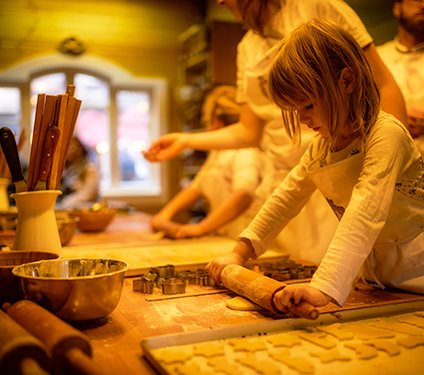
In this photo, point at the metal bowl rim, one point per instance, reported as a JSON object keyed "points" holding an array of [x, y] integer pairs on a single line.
{"points": [[15, 270]]}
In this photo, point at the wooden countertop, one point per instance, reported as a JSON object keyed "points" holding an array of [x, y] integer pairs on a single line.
{"points": [[116, 339]]}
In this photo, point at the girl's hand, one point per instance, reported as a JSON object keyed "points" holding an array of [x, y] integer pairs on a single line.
{"points": [[216, 266], [189, 231], [294, 294], [169, 228], [166, 147]]}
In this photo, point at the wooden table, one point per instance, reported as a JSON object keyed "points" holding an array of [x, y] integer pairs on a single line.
{"points": [[116, 338]]}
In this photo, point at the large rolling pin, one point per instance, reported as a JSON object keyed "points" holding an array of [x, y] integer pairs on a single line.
{"points": [[20, 352], [261, 290], [70, 348]]}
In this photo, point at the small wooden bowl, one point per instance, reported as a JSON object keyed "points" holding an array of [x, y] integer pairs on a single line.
{"points": [[9, 284], [94, 221]]}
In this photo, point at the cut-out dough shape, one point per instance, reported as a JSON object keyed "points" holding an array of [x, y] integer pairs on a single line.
{"points": [[299, 364], [173, 356], [243, 304], [284, 340], [247, 345], [221, 365], [363, 351], [364, 331], [260, 366], [209, 349], [338, 330], [397, 327], [191, 369], [412, 320], [318, 338], [331, 355], [411, 342], [384, 345]]}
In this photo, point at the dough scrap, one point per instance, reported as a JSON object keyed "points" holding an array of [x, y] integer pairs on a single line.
{"points": [[413, 320], [173, 356], [300, 364], [363, 351], [284, 340], [340, 331], [318, 338], [397, 327], [247, 345], [411, 342], [209, 349], [420, 314], [387, 346], [221, 365], [243, 304], [364, 331], [260, 366], [327, 356]]}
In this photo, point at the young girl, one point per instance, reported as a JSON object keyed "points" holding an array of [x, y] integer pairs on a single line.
{"points": [[363, 161]]}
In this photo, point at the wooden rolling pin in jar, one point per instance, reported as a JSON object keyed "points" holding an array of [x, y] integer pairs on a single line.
{"points": [[70, 348], [261, 290]]}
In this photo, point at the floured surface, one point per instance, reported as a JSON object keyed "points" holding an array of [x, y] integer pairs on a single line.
{"points": [[141, 256], [350, 356]]}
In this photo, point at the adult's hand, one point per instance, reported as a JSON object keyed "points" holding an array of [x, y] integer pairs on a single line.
{"points": [[166, 147]]}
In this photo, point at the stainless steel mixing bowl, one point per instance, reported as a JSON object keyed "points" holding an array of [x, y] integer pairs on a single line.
{"points": [[74, 289]]}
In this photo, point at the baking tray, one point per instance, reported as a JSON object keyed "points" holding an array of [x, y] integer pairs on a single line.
{"points": [[410, 360]]}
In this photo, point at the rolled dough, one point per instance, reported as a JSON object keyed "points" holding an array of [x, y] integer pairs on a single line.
{"points": [[242, 304]]}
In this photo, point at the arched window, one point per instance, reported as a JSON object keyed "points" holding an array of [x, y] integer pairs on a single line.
{"points": [[120, 115]]}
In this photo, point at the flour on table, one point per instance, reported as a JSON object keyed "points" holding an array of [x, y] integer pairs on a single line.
{"points": [[331, 355], [243, 304], [363, 351]]}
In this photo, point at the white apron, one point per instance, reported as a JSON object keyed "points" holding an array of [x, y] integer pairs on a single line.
{"points": [[397, 258]]}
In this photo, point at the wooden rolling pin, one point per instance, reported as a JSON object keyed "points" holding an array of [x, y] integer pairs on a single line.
{"points": [[20, 352], [261, 290], [70, 348]]}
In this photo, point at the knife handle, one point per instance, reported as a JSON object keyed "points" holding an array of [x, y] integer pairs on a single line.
{"points": [[10, 150], [49, 146]]}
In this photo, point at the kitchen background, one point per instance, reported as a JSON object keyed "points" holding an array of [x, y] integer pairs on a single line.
{"points": [[139, 66]]}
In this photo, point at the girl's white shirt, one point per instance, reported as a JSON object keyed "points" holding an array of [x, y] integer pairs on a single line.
{"points": [[382, 225]]}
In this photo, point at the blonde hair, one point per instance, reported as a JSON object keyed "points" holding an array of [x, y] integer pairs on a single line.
{"points": [[220, 101], [308, 67], [255, 13]]}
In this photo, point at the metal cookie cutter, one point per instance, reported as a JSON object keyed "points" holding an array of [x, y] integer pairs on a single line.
{"points": [[143, 285], [164, 272], [174, 285]]}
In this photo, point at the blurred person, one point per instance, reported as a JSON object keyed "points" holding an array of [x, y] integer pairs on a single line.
{"points": [[80, 178], [404, 56], [227, 180]]}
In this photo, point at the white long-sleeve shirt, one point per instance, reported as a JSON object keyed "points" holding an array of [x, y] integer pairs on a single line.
{"points": [[386, 208]]}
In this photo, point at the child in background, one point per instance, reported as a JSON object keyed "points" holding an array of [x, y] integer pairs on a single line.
{"points": [[363, 161], [227, 180]]}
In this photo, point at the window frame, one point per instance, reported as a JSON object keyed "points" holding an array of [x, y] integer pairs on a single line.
{"points": [[118, 80]]}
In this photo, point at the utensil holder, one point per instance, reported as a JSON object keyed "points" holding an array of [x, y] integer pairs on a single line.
{"points": [[37, 228], [4, 196]]}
